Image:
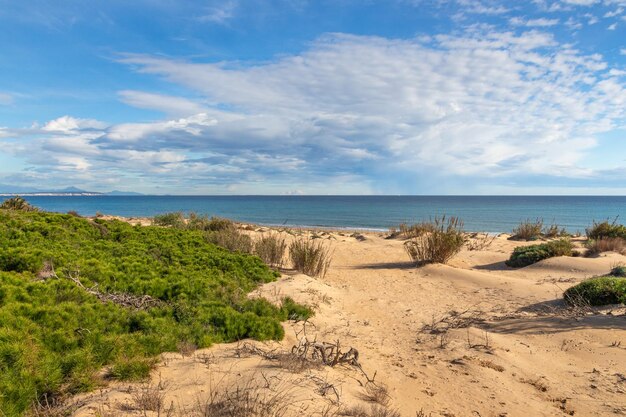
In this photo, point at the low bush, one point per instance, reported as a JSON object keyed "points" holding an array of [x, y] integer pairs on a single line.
{"points": [[17, 203], [528, 230], [598, 291], [606, 230], [55, 336], [271, 249], [553, 231], [618, 271], [175, 220], [605, 244], [528, 255], [309, 256], [444, 241], [295, 311]]}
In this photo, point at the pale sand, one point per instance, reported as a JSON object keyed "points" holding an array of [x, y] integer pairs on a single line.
{"points": [[538, 360]]}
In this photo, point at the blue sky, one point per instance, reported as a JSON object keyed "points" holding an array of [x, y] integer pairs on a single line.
{"points": [[314, 97]]}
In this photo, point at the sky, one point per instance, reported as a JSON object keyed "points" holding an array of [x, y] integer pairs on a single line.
{"points": [[314, 97]]}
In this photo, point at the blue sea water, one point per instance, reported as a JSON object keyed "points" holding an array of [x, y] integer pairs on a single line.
{"points": [[480, 213]]}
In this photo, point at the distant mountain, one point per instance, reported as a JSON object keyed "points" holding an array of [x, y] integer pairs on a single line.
{"points": [[12, 190], [116, 192]]}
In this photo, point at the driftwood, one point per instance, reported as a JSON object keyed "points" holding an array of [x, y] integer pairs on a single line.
{"points": [[143, 302]]}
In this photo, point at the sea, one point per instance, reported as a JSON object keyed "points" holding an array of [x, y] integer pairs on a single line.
{"points": [[493, 214]]}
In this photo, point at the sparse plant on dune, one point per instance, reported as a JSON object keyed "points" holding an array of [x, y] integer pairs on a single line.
{"points": [[309, 256], [438, 246], [598, 291], [231, 239], [528, 230], [605, 230], [271, 249], [605, 244]]}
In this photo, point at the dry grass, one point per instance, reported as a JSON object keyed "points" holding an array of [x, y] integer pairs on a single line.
{"points": [[311, 257], [438, 246], [271, 249], [377, 393], [186, 349], [606, 244], [231, 239], [250, 399], [528, 230], [373, 411]]}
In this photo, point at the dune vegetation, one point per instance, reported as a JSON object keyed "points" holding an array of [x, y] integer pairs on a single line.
{"points": [[79, 295], [528, 255]]}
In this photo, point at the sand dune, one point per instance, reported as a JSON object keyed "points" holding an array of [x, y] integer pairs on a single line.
{"points": [[512, 348]]}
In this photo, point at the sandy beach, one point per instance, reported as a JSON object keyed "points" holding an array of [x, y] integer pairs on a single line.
{"points": [[471, 338]]}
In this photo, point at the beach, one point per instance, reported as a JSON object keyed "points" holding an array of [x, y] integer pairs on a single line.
{"points": [[469, 338]]}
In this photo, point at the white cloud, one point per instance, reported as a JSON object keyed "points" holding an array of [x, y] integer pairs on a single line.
{"points": [[541, 22], [360, 113], [6, 99], [67, 124], [220, 13], [170, 105], [612, 27]]}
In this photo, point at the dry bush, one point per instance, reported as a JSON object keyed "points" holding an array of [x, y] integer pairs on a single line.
{"points": [[311, 257], [528, 230], [231, 239], [479, 241], [251, 399], [271, 249], [17, 203], [408, 231], [437, 246], [553, 231], [377, 393], [606, 244], [373, 411], [186, 348], [148, 398]]}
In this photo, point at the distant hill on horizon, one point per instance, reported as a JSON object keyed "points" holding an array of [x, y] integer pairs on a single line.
{"points": [[14, 190]]}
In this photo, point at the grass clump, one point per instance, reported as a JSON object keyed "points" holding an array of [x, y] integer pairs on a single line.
{"points": [[175, 220], [605, 230], [231, 239], [444, 241], [528, 230], [271, 249], [528, 255], [598, 291], [605, 244], [309, 256], [56, 334]]}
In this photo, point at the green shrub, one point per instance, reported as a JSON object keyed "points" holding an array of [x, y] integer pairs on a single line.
{"points": [[55, 337], [175, 220], [214, 224], [445, 241], [527, 255], [271, 249], [597, 292], [606, 230], [528, 230], [295, 311], [618, 271], [17, 203], [309, 256]]}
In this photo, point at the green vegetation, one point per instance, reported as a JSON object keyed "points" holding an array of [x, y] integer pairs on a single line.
{"points": [[17, 203], [597, 292], [56, 333], [535, 230], [528, 230], [606, 230], [527, 255], [439, 245], [310, 257], [618, 271]]}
